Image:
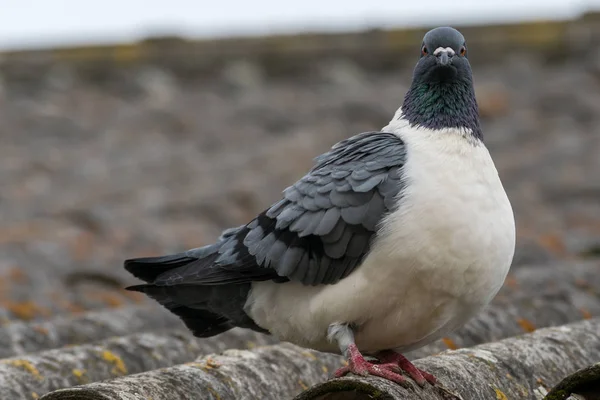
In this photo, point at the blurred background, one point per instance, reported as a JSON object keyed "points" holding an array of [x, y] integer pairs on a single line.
{"points": [[137, 128]]}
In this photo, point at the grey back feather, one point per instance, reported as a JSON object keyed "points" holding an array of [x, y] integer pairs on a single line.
{"points": [[336, 208], [322, 228]]}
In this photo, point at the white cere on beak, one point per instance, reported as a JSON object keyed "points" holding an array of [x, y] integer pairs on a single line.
{"points": [[448, 50]]}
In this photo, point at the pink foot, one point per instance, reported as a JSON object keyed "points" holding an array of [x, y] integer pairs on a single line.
{"points": [[418, 375], [359, 366]]}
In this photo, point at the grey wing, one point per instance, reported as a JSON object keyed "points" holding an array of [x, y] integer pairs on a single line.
{"points": [[320, 230], [323, 227]]}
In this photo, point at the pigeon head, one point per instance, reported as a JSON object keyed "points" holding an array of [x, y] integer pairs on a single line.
{"points": [[443, 56], [441, 93]]}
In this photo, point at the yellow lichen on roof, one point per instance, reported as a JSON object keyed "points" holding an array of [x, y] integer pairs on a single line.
{"points": [[205, 365], [119, 365], [500, 395], [26, 365], [449, 343], [80, 375], [25, 310], [303, 385], [526, 325], [309, 355]]}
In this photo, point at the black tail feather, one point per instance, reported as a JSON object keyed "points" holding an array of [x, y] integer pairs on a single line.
{"points": [[208, 300], [202, 322], [149, 268]]}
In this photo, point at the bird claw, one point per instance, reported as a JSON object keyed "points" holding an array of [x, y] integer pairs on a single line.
{"points": [[359, 366], [418, 375], [366, 368], [390, 367]]}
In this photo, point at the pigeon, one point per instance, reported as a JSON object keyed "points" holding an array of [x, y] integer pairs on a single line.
{"points": [[394, 239]]}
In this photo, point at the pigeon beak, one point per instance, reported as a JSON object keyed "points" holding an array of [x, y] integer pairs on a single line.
{"points": [[444, 58]]}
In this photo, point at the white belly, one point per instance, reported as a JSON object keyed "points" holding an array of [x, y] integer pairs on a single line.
{"points": [[438, 260]]}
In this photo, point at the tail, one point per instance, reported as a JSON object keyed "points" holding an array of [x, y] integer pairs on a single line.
{"points": [[174, 281], [200, 321]]}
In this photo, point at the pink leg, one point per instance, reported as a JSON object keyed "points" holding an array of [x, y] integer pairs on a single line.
{"points": [[359, 366], [418, 375]]}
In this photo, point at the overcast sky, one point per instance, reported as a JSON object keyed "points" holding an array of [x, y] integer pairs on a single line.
{"points": [[34, 23]]}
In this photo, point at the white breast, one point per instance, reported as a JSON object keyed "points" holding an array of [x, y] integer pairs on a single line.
{"points": [[437, 260]]}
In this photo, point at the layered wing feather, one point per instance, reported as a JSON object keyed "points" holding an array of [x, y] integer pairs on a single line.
{"points": [[320, 230]]}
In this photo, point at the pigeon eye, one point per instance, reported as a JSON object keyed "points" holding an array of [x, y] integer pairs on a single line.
{"points": [[463, 51], [424, 50]]}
